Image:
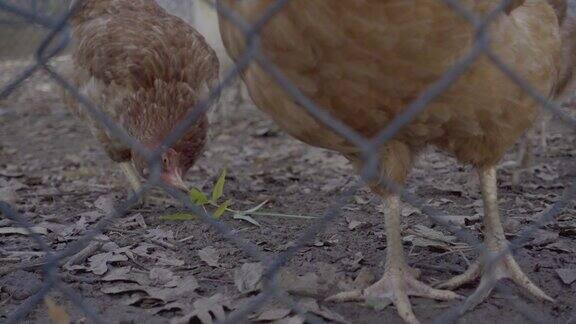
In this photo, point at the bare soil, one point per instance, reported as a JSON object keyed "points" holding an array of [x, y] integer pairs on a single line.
{"points": [[57, 177]]}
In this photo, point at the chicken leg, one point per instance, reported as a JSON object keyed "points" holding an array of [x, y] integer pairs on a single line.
{"points": [[399, 280], [523, 160], [525, 154], [132, 176], [495, 242]]}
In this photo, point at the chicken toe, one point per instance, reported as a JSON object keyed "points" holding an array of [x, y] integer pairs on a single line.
{"points": [[395, 287], [471, 274], [505, 267]]}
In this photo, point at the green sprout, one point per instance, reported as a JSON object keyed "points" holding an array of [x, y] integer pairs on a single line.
{"points": [[199, 198]]}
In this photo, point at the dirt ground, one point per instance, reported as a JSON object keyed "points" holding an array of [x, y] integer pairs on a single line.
{"points": [[148, 270]]}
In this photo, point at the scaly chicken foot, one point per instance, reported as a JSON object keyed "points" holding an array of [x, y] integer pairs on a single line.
{"points": [[394, 288], [133, 178], [505, 268], [399, 280], [490, 271]]}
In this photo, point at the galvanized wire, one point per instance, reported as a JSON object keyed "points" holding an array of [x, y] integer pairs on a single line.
{"points": [[42, 15]]}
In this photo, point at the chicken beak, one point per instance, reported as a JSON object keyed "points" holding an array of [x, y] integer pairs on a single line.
{"points": [[174, 179]]}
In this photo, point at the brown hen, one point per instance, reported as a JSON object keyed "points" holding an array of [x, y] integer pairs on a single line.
{"points": [[146, 69], [564, 90], [366, 61], [566, 12]]}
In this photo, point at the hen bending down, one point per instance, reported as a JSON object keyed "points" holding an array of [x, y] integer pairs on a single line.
{"points": [[366, 61], [146, 70]]}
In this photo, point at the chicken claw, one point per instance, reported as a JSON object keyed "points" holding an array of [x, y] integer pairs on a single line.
{"points": [[394, 288], [495, 242], [505, 268]]}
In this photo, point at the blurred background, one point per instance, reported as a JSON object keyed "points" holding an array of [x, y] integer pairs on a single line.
{"points": [[19, 39]]}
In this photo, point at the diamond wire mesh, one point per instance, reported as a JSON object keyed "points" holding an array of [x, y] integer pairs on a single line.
{"points": [[37, 13]]}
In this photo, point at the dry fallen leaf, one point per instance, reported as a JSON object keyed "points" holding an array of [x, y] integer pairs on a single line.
{"points": [[461, 220], [209, 255], [9, 196], [423, 236], [75, 262], [160, 276], [273, 314], [567, 275], [543, 237], [297, 319], [79, 226], [160, 234], [247, 277], [353, 264], [52, 227], [306, 285], [122, 287], [23, 231], [328, 274], [13, 184], [11, 171], [134, 221], [449, 187], [311, 305], [567, 227], [545, 172], [207, 311], [361, 200], [126, 274], [432, 234], [364, 278], [105, 204], [354, 224], [327, 159], [184, 289], [407, 209], [159, 255], [99, 262], [170, 307], [562, 246]]}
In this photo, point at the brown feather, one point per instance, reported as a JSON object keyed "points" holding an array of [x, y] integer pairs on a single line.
{"points": [[366, 61], [513, 5], [567, 18]]}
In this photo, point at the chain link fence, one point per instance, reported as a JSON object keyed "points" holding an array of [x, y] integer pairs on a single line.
{"points": [[49, 8], [52, 16]]}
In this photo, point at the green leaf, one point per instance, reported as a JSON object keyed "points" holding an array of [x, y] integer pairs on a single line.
{"points": [[218, 190], [255, 209], [244, 217], [221, 209], [283, 215], [178, 217], [198, 197]]}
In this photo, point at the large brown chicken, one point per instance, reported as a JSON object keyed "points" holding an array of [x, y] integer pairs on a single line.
{"points": [[365, 61], [146, 69]]}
